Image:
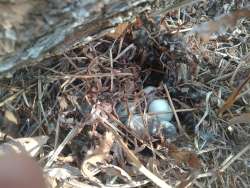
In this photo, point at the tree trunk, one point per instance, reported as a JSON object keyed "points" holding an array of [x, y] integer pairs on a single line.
{"points": [[71, 32]]}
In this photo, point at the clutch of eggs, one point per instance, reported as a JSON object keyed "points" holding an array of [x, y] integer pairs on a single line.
{"points": [[141, 124]]}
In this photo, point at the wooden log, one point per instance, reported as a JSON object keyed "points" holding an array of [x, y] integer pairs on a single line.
{"points": [[74, 33]]}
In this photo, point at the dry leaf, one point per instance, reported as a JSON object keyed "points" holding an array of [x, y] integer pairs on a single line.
{"points": [[63, 173], [221, 24], [8, 115], [99, 155], [243, 118], [185, 156], [233, 97], [63, 103], [29, 145], [118, 31]]}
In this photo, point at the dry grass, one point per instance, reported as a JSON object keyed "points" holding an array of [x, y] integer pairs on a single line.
{"points": [[73, 99]]}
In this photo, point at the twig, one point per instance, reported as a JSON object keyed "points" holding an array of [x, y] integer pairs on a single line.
{"points": [[111, 71], [40, 96], [205, 114], [233, 97], [124, 51], [227, 164], [68, 138], [11, 98], [159, 182], [100, 75], [175, 113]]}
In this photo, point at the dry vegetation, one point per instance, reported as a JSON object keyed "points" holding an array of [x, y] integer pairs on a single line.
{"points": [[72, 101]]}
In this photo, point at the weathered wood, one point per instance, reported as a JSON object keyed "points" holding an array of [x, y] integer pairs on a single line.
{"points": [[73, 33]]}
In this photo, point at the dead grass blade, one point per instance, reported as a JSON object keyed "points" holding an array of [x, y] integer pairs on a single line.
{"points": [[243, 118], [175, 113], [227, 162], [135, 161], [58, 150], [10, 98], [233, 97]]}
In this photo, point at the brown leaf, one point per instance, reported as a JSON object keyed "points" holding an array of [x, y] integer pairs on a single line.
{"points": [[184, 156], [243, 118], [119, 30], [233, 97]]}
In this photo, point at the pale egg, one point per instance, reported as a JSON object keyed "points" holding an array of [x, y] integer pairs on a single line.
{"points": [[165, 128], [168, 129], [149, 93], [161, 109], [149, 89], [136, 123], [123, 110]]}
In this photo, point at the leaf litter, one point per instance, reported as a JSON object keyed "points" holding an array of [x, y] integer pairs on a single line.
{"points": [[75, 100]]}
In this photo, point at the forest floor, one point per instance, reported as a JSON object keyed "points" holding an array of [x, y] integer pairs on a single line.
{"points": [[74, 108]]}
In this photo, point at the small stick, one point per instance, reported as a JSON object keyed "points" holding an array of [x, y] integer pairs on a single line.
{"points": [[111, 71], [99, 75], [58, 150], [175, 113], [205, 114], [159, 182], [244, 150]]}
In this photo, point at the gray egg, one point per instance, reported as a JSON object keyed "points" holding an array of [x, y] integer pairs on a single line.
{"points": [[136, 123], [124, 110], [161, 108], [149, 89], [157, 127], [168, 129]]}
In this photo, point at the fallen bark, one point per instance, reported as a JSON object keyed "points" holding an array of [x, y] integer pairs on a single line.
{"points": [[74, 32]]}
